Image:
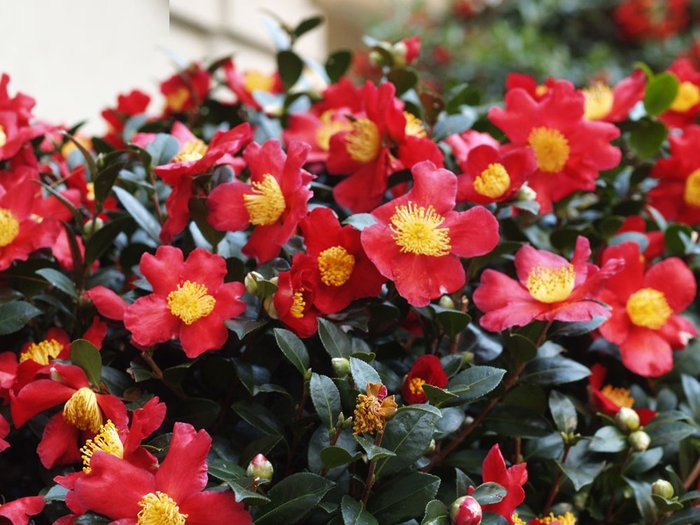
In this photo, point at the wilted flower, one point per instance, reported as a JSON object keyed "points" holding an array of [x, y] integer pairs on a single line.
{"points": [[373, 409]]}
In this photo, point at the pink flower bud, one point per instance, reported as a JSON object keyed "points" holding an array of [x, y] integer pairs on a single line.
{"points": [[261, 468], [465, 511]]}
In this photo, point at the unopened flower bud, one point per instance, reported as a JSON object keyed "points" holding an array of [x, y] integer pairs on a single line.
{"points": [[431, 448], [308, 374], [662, 488], [251, 282], [465, 511], [269, 306], [627, 420], [446, 302], [639, 440], [406, 51], [467, 358], [341, 366], [260, 468], [526, 193], [88, 227]]}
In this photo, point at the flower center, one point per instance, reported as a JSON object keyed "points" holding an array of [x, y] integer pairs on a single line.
{"points": [[691, 195], [254, 80], [298, 304], [265, 204], [618, 395], [192, 150], [42, 352], [566, 519], [415, 385], [82, 410], [599, 101], [177, 99], [551, 148], [363, 142], [541, 90], [190, 302], [3, 137], [648, 307], [331, 123], [90, 191], [493, 181], [106, 440], [372, 412], [335, 265], [414, 126], [9, 227], [159, 509], [415, 230], [688, 96], [551, 285]]}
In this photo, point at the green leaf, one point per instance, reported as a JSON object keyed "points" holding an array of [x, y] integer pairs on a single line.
{"points": [[666, 433], [522, 348], [140, 214], [326, 399], [660, 93], [86, 355], [677, 239], [691, 389], [517, 421], [360, 221], [90, 164], [103, 239], [198, 411], [563, 412], [59, 280], [403, 78], [242, 494], [684, 517], [372, 450], [404, 498], [640, 462], [293, 348], [307, 25], [293, 498], [162, 149], [258, 416], [407, 435], [582, 467], [290, 67], [456, 123], [198, 213], [363, 374], [354, 514], [608, 439], [337, 65], [489, 493], [436, 514], [437, 396], [665, 505], [474, 383], [55, 493], [453, 321], [578, 328], [642, 495], [106, 179], [15, 314], [647, 137], [334, 340], [90, 518], [335, 456], [548, 371], [433, 104]]}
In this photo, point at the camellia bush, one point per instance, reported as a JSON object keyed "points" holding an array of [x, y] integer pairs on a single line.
{"points": [[287, 297]]}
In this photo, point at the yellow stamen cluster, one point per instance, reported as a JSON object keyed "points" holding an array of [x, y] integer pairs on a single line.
{"points": [[335, 266], [190, 302], [192, 150], [265, 204], [331, 123], [648, 307], [364, 142], [551, 148], [159, 509], [414, 126], [9, 227], [599, 101], [687, 97], [177, 99], [298, 304], [106, 440], [371, 412], [493, 182], [691, 195], [415, 230], [255, 80], [548, 284], [618, 395], [415, 385], [82, 410], [42, 352], [541, 90], [566, 519]]}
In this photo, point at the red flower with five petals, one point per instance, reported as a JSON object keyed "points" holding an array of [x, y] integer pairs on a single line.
{"points": [[426, 370]]}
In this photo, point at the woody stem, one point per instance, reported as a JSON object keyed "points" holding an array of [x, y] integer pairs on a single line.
{"points": [[370, 473]]}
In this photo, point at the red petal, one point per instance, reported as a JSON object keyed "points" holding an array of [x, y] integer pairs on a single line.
{"points": [[205, 508], [59, 444], [163, 269], [645, 353], [184, 470], [149, 320]]}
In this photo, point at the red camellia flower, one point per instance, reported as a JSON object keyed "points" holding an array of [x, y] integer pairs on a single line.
{"points": [[173, 494], [19, 510], [570, 150], [133, 103], [686, 106], [649, 19], [614, 105], [248, 82], [645, 307], [344, 272], [529, 84], [426, 370], [512, 479], [677, 196], [274, 202], [610, 399], [186, 89], [548, 288], [295, 295], [418, 239], [636, 223], [190, 301]]}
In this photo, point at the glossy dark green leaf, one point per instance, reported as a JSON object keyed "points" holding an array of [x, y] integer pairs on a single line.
{"points": [[437, 396], [198, 411], [363, 374], [86, 355], [293, 498], [407, 435], [453, 321], [326, 399], [360, 221], [577, 328], [198, 213], [293, 349], [517, 422], [140, 214], [334, 340], [15, 314], [103, 239], [522, 348], [456, 123], [242, 327], [337, 65], [258, 416], [56, 493], [660, 93], [581, 467], [90, 164], [290, 67], [162, 150], [90, 518], [354, 514], [677, 239], [548, 371], [683, 517], [474, 383], [666, 433], [403, 78], [647, 137], [436, 514], [106, 179], [563, 412], [307, 25], [608, 439], [59, 280], [373, 451], [642, 496], [335, 456], [242, 494], [489, 493], [405, 497]]}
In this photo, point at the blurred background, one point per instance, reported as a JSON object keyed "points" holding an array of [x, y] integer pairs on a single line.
{"points": [[75, 56]]}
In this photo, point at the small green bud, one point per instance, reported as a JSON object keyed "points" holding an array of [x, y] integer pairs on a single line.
{"points": [[87, 227], [662, 488], [260, 468], [627, 420], [251, 282], [269, 305], [446, 302], [639, 440], [341, 366], [526, 193]]}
